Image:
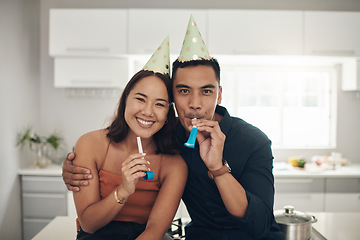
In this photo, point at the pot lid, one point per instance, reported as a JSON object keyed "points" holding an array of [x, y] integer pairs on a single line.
{"points": [[290, 216]]}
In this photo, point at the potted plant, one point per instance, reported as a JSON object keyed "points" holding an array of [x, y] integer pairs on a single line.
{"points": [[40, 144]]}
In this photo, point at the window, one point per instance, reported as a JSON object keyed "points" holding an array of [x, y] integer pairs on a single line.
{"points": [[294, 104]]}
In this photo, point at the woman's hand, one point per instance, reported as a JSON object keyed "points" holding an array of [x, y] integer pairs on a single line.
{"points": [[132, 170]]}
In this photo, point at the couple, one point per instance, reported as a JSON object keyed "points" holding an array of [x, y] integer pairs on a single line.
{"points": [[226, 181]]}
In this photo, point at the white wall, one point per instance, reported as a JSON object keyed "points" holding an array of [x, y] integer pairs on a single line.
{"points": [[28, 98], [19, 100], [75, 116]]}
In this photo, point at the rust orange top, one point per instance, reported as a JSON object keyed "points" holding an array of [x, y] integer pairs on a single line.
{"points": [[138, 206]]}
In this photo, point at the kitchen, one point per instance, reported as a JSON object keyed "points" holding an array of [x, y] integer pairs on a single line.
{"points": [[28, 71]]}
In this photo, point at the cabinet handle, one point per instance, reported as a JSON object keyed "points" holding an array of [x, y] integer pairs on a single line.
{"points": [[43, 195], [334, 52], [259, 51], [294, 181], [42, 179], [93, 81], [36, 220], [82, 49]]}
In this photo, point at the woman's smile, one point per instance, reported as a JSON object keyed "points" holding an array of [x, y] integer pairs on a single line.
{"points": [[145, 123]]}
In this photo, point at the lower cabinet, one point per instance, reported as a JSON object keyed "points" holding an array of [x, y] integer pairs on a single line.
{"points": [[318, 194], [342, 195], [43, 198], [305, 194], [304, 202]]}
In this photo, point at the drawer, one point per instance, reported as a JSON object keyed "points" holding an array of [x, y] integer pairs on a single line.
{"points": [[40, 205], [343, 185], [304, 202], [299, 185], [342, 202], [40, 184], [31, 227]]}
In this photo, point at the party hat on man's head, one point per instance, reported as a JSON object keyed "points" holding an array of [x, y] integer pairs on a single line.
{"points": [[193, 46], [160, 60]]}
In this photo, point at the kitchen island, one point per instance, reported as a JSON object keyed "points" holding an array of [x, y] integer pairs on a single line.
{"points": [[333, 226], [331, 191]]}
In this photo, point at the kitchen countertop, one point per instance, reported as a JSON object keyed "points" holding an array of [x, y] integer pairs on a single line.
{"points": [[338, 225], [52, 170], [281, 170], [284, 170], [333, 226]]}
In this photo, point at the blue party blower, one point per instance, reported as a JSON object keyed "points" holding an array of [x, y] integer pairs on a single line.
{"points": [[192, 138], [149, 175]]}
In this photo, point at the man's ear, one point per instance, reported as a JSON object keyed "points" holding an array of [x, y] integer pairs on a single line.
{"points": [[218, 101]]}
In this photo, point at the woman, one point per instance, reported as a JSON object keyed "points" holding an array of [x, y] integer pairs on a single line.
{"points": [[119, 203]]}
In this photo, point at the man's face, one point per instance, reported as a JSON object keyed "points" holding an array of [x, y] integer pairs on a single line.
{"points": [[196, 93]]}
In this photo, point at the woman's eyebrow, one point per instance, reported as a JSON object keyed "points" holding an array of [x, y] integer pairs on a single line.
{"points": [[145, 96]]}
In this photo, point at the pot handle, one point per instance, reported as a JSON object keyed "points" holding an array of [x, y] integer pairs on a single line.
{"points": [[313, 219]]}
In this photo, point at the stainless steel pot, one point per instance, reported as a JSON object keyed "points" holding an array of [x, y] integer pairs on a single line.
{"points": [[294, 224]]}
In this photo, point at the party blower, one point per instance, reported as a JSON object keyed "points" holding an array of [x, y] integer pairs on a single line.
{"points": [[149, 175], [192, 138]]}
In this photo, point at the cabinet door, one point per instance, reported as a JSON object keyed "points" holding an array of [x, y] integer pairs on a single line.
{"points": [[43, 198], [332, 33], [148, 28], [342, 202], [342, 195], [90, 72], [33, 226], [42, 184], [87, 32], [304, 202], [255, 32], [305, 194], [44, 205]]}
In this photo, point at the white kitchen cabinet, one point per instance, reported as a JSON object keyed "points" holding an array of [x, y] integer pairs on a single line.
{"points": [[255, 32], [342, 195], [332, 33], [305, 194], [95, 32], [43, 198], [308, 202], [89, 72], [149, 27]]}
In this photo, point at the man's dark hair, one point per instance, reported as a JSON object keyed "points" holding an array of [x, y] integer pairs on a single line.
{"points": [[212, 63]]}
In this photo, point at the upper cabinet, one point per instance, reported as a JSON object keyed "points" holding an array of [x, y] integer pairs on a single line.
{"points": [[149, 27], [255, 32], [91, 32], [332, 33], [90, 72]]}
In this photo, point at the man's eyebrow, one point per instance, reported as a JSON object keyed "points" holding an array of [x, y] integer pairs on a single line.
{"points": [[203, 87], [182, 86], [145, 96], [208, 86]]}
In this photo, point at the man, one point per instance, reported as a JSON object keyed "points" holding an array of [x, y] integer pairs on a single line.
{"points": [[229, 193]]}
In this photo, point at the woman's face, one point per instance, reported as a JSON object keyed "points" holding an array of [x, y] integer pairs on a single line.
{"points": [[147, 106]]}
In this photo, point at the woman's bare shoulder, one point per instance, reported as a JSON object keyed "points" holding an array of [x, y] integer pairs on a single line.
{"points": [[93, 137], [94, 142]]}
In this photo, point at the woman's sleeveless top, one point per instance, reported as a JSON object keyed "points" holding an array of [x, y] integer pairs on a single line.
{"points": [[138, 206]]}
